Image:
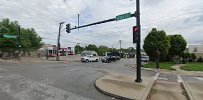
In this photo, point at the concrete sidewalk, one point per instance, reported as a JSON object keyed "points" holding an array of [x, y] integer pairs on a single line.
{"points": [[124, 86]]}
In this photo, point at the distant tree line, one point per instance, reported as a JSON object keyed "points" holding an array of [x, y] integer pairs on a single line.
{"points": [[28, 41], [101, 50]]}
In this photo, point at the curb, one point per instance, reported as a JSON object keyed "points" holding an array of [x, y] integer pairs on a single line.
{"points": [[188, 91], [185, 86], [110, 94], [145, 95]]}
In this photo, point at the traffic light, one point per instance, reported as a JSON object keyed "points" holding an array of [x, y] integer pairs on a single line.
{"points": [[68, 28], [136, 34]]}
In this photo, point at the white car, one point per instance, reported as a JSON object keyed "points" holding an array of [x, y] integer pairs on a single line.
{"points": [[89, 58], [145, 58]]}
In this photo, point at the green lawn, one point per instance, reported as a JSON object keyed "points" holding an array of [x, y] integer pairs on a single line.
{"points": [[163, 65], [193, 67]]}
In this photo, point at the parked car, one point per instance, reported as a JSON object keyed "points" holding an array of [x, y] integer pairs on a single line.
{"points": [[145, 58], [108, 59], [89, 58]]}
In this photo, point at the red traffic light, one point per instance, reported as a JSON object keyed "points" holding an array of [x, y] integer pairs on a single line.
{"points": [[135, 29], [136, 35]]}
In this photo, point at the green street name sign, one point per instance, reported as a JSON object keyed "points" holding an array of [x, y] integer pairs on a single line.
{"points": [[9, 36], [123, 16]]}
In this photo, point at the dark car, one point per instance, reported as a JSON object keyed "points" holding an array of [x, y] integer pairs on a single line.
{"points": [[108, 59]]}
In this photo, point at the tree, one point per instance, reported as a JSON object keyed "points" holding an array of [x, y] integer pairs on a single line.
{"points": [[156, 40], [178, 45], [200, 59], [131, 49], [8, 27], [92, 47], [78, 49], [102, 50], [30, 40], [193, 56]]}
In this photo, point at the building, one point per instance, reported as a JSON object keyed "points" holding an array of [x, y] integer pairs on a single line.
{"points": [[196, 49], [51, 50]]}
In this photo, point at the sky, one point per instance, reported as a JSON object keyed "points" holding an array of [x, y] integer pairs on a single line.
{"points": [[183, 17]]}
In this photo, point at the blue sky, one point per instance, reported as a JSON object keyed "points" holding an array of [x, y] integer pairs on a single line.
{"points": [[183, 17]]}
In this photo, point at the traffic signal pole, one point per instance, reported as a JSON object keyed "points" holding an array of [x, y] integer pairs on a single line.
{"points": [[138, 79], [100, 22], [120, 17]]}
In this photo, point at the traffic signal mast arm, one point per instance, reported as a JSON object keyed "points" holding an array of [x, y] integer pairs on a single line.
{"points": [[100, 22]]}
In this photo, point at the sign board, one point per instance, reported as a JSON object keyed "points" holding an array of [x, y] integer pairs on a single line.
{"points": [[123, 16], [9, 36]]}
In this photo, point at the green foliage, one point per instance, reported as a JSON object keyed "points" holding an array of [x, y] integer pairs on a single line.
{"points": [[178, 45], [194, 66], [78, 49], [92, 47], [193, 56], [102, 50], [163, 65], [156, 40], [29, 38], [200, 59]]}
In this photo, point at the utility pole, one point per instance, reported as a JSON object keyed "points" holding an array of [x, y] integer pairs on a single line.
{"points": [[78, 47], [58, 41], [120, 47], [138, 79], [19, 41]]}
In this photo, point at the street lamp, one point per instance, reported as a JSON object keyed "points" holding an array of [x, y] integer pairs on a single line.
{"points": [[58, 40]]}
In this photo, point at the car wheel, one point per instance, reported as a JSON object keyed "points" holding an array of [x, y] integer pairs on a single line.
{"points": [[97, 60], [87, 60]]}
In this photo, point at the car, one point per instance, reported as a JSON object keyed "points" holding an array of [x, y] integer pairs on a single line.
{"points": [[89, 58], [145, 58], [108, 59]]}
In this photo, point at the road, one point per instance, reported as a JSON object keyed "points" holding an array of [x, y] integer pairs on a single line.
{"points": [[58, 81]]}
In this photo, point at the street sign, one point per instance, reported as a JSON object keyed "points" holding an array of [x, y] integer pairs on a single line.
{"points": [[9, 36], [123, 16]]}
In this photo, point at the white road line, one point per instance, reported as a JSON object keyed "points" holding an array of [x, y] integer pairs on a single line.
{"points": [[156, 76], [179, 79], [163, 78], [199, 78]]}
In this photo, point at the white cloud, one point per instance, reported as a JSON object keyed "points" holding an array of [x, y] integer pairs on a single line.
{"points": [[182, 16]]}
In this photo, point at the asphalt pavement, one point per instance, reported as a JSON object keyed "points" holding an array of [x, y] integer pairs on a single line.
{"points": [[58, 81]]}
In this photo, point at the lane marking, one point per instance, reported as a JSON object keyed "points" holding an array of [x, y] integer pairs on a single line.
{"points": [[163, 78], [179, 79], [199, 78], [156, 76]]}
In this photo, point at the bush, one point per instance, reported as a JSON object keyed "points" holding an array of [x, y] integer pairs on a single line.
{"points": [[193, 57], [200, 59]]}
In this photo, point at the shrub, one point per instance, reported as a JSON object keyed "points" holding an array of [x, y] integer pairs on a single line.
{"points": [[200, 59]]}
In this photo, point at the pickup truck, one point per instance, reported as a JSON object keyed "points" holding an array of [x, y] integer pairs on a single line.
{"points": [[89, 58]]}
